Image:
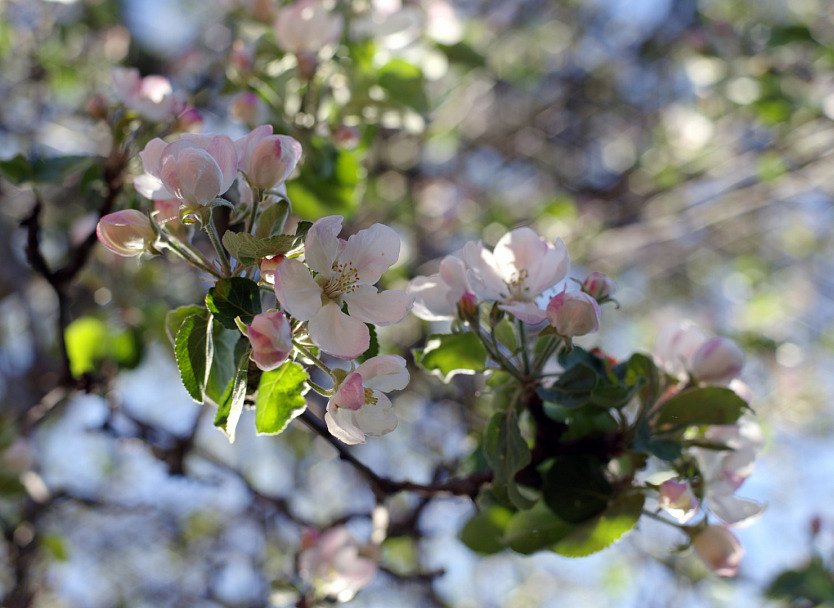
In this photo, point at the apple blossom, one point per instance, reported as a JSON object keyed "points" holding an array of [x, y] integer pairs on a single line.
{"points": [[520, 268], [333, 566], [345, 274], [151, 96], [266, 159], [717, 361], [268, 266], [194, 169], [307, 26], [436, 296], [126, 233], [676, 346], [271, 340], [573, 313], [719, 549], [678, 500], [599, 286], [359, 406], [245, 107]]}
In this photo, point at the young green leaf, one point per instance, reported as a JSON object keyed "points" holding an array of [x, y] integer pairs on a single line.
{"points": [[174, 319], [223, 363], [448, 354], [536, 529], [249, 249], [604, 530], [507, 453], [575, 488], [194, 351], [573, 388], [700, 406], [280, 398], [484, 532], [232, 406], [272, 219], [235, 297]]}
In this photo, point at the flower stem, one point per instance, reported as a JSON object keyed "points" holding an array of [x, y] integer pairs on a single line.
{"points": [[316, 361], [211, 230]]}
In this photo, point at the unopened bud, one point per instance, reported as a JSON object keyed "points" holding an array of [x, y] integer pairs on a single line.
{"points": [[717, 361], [98, 107], [573, 313], [271, 340], [719, 549], [599, 286], [468, 307], [346, 137], [268, 266], [244, 108], [126, 232], [677, 499]]}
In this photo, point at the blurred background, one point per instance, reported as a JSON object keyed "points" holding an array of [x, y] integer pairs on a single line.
{"points": [[680, 146]]}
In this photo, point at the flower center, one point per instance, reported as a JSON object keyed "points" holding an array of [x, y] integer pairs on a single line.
{"points": [[518, 290], [343, 279]]}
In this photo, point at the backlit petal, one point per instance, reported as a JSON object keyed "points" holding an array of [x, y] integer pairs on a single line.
{"points": [[296, 290], [381, 308], [322, 244], [338, 334], [372, 251]]}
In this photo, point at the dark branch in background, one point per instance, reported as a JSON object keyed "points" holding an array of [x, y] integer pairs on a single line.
{"points": [[383, 487], [60, 279]]}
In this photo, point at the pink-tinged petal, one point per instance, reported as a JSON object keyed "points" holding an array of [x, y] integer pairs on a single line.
{"points": [[519, 249], [322, 244], [342, 425], [720, 550], [717, 361], [484, 276], [151, 187], [433, 299], [676, 345], [152, 157], [193, 176], [372, 251], [384, 373], [245, 145], [376, 419], [734, 510], [551, 269], [351, 393], [126, 233], [453, 272], [381, 308], [296, 290], [222, 149], [573, 313], [337, 334], [271, 340], [527, 312]]}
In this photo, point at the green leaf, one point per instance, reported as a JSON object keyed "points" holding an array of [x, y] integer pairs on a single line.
{"points": [[463, 54], [664, 449], [575, 487], [484, 532], [604, 530], [249, 249], [223, 363], [272, 220], [175, 318], [700, 406], [507, 453], [373, 348], [573, 388], [20, 170], [235, 297], [280, 398], [448, 354], [535, 529], [403, 82], [228, 414], [194, 352], [640, 371], [86, 340], [505, 332]]}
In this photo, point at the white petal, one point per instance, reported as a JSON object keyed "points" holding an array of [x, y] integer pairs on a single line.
{"points": [[381, 308], [372, 251], [342, 425], [432, 298], [734, 510], [384, 373], [376, 419], [222, 149], [152, 156], [296, 290], [528, 312], [151, 187], [484, 275], [519, 249], [551, 269], [322, 244], [338, 334]]}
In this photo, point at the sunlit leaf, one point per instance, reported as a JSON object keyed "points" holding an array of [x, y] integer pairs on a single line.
{"points": [[249, 249], [448, 354], [699, 406], [604, 530], [193, 350], [484, 531], [535, 529], [280, 398], [235, 297]]}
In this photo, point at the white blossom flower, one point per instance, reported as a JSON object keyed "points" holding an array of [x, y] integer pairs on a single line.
{"points": [[345, 273], [333, 566], [436, 296], [520, 268], [359, 406]]}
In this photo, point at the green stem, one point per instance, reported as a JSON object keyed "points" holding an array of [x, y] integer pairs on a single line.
{"points": [[316, 361], [211, 230], [525, 357], [494, 351], [192, 257], [541, 359]]}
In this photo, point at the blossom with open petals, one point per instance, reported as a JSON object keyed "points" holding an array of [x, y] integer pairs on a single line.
{"points": [[307, 26], [521, 267], [194, 169], [359, 406], [151, 96], [333, 566], [345, 273], [436, 296], [266, 159]]}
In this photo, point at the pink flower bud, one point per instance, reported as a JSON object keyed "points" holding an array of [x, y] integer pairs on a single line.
{"points": [[717, 361], [268, 267], [244, 107], [190, 121], [599, 286], [126, 232], [346, 137], [720, 550], [573, 313], [271, 340], [267, 159], [197, 168], [677, 499]]}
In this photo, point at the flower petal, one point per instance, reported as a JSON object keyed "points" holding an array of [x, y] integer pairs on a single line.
{"points": [[527, 312], [322, 244], [351, 393], [381, 308], [222, 149], [152, 156], [376, 419], [372, 251], [551, 269], [342, 425], [433, 299], [296, 290], [484, 275], [384, 373], [338, 334], [734, 510]]}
